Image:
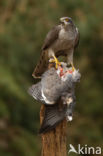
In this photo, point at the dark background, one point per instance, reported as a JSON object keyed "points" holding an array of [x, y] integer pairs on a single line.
{"points": [[23, 27]]}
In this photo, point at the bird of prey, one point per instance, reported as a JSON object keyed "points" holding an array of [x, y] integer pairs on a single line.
{"points": [[61, 40], [55, 85]]}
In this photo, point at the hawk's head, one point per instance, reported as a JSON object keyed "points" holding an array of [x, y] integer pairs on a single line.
{"points": [[66, 20]]}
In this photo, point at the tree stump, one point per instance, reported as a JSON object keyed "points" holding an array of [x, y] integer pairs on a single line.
{"points": [[54, 141]]}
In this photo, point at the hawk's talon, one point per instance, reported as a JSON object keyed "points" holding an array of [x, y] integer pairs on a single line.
{"points": [[73, 68], [56, 61]]}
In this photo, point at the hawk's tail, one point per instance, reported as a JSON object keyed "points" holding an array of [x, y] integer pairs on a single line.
{"points": [[53, 116], [41, 66]]}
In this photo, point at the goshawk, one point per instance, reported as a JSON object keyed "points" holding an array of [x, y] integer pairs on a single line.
{"points": [[61, 40]]}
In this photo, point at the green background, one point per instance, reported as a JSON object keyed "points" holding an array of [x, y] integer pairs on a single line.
{"points": [[23, 27]]}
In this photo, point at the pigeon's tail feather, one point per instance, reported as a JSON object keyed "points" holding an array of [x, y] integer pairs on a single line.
{"points": [[35, 91], [53, 116]]}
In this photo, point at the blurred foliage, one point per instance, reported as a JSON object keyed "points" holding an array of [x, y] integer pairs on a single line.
{"points": [[23, 27]]}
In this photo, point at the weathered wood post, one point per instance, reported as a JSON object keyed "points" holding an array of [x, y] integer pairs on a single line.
{"points": [[54, 142]]}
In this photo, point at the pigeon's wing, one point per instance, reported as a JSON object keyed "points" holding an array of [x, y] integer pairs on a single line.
{"points": [[35, 91], [51, 37], [53, 116]]}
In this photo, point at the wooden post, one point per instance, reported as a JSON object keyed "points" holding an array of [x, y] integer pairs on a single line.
{"points": [[54, 142]]}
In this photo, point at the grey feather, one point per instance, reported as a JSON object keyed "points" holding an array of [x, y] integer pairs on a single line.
{"points": [[53, 86], [35, 92]]}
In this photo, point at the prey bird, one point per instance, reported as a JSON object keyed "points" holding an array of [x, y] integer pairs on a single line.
{"points": [[61, 40], [56, 85]]}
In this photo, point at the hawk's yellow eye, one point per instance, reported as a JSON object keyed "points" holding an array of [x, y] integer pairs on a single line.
{"points": [[67, 20]]}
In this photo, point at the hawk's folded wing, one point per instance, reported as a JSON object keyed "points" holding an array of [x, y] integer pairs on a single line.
{"points": [[51, 37], [42, 65]]}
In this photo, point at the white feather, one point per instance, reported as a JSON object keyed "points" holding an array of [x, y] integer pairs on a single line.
{"points": [[45, 99], [69, 118]]}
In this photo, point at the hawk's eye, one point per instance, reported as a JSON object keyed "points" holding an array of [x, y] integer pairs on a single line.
{"points": [[67, 20]]}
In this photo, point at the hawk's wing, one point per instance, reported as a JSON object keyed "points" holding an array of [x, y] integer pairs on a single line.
{"points": [[77, 40], [51, 37], [43, 62]]}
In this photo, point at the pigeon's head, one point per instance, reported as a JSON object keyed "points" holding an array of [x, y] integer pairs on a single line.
{"points": [[66, 21]]}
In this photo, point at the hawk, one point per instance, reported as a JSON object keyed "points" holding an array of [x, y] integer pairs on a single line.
{"points": [[61, 40]]}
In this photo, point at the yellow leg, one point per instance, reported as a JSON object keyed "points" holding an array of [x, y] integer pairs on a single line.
{"points": [[73, 68], [56, 61]]}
